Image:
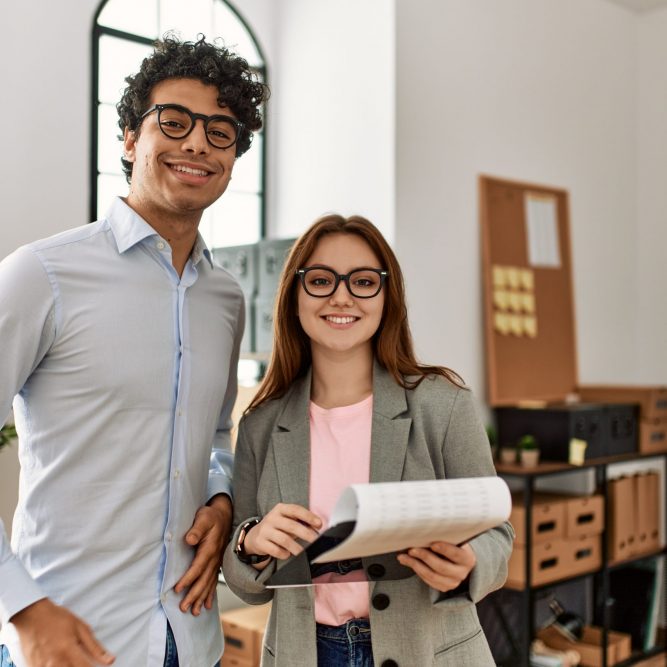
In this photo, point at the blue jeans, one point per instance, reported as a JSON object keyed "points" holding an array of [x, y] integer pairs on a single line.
{"points": [[5, 660], [347, 645]]}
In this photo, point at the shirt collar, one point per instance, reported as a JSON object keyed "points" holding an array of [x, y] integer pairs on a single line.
{"points": [[129, 229]]}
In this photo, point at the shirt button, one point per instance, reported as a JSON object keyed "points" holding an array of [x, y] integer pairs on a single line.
{"points": [[180, 413], [177, 474], [160, 245], [169, 537]]}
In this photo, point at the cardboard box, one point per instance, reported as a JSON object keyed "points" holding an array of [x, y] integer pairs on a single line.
{"points": [[583, 554], [622, 530], [584, 515], [244, 632], [652, 436], [548, 518], [652, 400], [590, 645], [549, 563], [647, 495]]}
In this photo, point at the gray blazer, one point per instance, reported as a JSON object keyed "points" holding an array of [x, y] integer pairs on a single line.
{"points": [[431, 432]]}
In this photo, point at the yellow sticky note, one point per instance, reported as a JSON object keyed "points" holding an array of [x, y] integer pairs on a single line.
{"points": [[514, 301], [530, 326], [528, 302], [501, 323], [516, 325], [527, 279], [577, 453], [498, 276], [513, 277], [500, 299]]}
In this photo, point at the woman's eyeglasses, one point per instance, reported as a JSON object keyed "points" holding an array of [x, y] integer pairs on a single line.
{"points": [[321, 282]]}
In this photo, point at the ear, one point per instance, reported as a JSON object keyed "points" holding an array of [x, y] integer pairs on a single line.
{"points": [[129, 145]]}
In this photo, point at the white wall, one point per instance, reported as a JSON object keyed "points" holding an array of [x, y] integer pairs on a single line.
{"points": [[332, 113], [543, 92], [652, 198]]}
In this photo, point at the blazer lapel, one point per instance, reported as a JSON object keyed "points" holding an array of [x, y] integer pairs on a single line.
{"points": [[291, 445], [390, 432]]}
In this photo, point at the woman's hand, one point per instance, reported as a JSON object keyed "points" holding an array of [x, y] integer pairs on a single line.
{"points": [[442, 566], [277, 533]]}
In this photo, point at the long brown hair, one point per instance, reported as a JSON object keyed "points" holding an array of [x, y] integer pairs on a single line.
{"points": [[392, 342]]}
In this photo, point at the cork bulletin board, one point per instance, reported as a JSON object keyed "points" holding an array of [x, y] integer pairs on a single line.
{"points": [[528, 296]]}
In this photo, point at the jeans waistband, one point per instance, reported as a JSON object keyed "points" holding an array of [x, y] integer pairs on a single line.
{"points": [[355, 630]]}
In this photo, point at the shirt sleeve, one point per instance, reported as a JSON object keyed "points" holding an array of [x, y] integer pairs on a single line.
{"points": [[222, 458], [27, 330]]}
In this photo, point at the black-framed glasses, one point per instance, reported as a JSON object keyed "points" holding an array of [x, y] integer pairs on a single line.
{"points": [[321, 281], [177, 121]]}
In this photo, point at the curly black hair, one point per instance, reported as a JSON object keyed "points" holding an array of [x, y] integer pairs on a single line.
{"points": [[238, 86]]}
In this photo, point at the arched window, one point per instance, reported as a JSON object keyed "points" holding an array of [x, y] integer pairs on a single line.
{"points": [[123, 34]]}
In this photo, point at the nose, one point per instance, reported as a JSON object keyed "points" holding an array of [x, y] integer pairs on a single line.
{"points": [[196, 141], [342, 295]]}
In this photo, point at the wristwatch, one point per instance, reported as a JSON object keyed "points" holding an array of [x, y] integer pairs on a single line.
{"points": [[248, 559]]}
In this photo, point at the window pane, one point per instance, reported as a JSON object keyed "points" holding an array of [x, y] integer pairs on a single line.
{"points": [[233, 220], [247, 175], [227, 25], [108, 187], [135, 17], [118, 59], [109, 147], [188, 20]]}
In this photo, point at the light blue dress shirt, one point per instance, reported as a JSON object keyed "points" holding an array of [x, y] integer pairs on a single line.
{"points": [[123, 378]]}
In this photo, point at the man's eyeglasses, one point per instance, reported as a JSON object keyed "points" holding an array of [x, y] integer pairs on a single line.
{"points": [[362, 283], [176, 122]]}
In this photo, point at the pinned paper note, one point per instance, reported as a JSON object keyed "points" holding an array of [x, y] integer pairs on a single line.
{"points": [[577, 453]]}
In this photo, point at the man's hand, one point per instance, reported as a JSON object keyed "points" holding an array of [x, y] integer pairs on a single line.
{"points": [[52, 636], [442, 566], [209, 534]]}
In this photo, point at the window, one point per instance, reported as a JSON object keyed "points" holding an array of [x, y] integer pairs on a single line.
{"points": [[123, 35]]}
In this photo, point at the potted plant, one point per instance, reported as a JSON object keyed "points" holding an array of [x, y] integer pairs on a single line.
{"points": [[529, 451], [507, 454], [7, 434], [492, 435]]}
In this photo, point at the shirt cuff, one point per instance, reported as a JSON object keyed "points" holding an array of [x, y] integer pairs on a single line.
{"points": [[18, 589], [218, 483]]}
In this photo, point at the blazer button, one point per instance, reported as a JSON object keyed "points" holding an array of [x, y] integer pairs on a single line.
{"points": [[380, 602], [376, 571], [389, 663]]}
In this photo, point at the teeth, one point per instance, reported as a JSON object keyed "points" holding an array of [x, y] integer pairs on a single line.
{"points": [[189, 170], [340, 320]]}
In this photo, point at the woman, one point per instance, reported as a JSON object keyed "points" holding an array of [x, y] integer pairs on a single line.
{"points": [[345, 401]]}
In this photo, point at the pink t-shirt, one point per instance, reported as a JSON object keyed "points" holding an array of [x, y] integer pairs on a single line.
{"points": [[340, 455]]}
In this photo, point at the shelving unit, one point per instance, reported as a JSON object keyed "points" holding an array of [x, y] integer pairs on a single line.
{"points": [[527, 595]]}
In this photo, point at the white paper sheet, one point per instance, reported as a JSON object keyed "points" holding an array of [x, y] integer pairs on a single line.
{"points": [[394, 516]]}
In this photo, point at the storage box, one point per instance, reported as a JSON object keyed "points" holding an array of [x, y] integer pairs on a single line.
{"points": [[652, 400], [583, 554], [647, 496], [584, 516], [652, 436], [590, 645], [622, 514], [607, 429], [548, 519], [549, 564], [244, 632]]}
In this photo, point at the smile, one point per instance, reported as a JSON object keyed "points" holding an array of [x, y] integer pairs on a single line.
{"points": [[189, 170], [340, 319]]}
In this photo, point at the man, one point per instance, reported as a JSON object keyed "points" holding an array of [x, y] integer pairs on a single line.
{"points": [[120, 340]]}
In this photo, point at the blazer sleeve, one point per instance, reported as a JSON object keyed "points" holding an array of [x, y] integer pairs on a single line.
{"points": [[244, 580], [466, 453]]}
